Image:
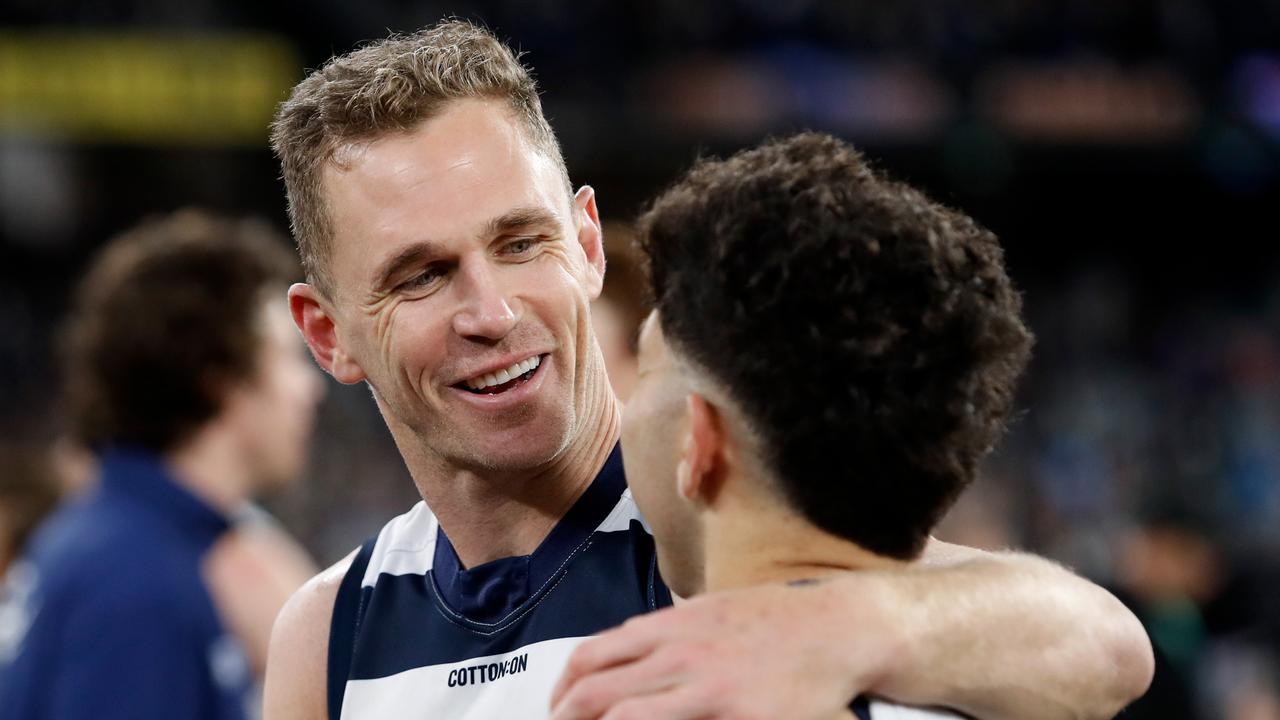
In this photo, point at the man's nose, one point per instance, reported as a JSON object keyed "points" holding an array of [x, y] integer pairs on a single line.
{"points": [[484, 314]]}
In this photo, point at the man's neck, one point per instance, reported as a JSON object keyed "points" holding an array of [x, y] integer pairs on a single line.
{"points": [[213, 468], [488, 518], [767, 545]]}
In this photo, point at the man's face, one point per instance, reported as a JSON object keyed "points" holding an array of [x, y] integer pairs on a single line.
{"points": [[463, 274], [275, 410], [653, 424]]}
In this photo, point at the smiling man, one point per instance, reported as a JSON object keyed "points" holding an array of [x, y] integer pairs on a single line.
{"points": [[451, 267]]}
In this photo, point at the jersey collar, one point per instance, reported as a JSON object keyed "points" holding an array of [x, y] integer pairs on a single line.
{"points": [[489, 592]]}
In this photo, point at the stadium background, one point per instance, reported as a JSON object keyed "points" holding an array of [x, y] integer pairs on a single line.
{"points": [[1126, 151]]}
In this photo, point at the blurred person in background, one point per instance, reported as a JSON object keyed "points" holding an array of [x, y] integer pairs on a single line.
{"points": [[753, 368], [616, 315], [188, 382], [1212, 616], [29, 489], [450, 268]]}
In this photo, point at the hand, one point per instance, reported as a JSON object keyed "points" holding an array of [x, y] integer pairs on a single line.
{"points": [[766, 652]]}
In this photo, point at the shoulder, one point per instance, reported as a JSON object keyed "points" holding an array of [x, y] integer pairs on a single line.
{"points": [[298, 654], [405, 545]]}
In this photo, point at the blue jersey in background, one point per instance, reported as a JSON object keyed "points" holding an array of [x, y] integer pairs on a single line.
{"points": [[107, 615]]}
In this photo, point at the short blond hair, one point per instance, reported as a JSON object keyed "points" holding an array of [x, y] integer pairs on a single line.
{"points": [[390, 86]]}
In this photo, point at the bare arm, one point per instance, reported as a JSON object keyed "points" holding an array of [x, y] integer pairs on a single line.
{"points": [[997, 636], [1010, 635], [251, 572], [297, 660]]}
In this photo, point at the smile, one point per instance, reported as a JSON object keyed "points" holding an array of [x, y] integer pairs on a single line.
{"points": [[504, 379]]}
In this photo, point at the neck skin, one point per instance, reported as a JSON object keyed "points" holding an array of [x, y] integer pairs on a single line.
{"points": [[492, 516], [752, 538], [213, 467]]}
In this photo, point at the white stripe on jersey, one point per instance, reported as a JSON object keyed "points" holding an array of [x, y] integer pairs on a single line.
{"points": [[407, 544], [887, 711], [623, 513], [520, 690]]}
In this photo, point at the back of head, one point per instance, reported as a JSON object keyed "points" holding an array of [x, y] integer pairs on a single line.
{"points": [[167, 319], [870, 336], [386, 87]]}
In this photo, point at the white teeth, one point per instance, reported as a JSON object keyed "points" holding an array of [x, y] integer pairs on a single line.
{"points": [[504, 375]]}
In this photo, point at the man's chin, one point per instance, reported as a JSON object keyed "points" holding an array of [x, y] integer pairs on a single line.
{"points": [[512, 450]]}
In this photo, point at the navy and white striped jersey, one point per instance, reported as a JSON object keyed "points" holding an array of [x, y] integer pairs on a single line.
{"points": [[414, 634]]}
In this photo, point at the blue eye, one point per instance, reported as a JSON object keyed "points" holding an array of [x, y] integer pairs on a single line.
{"points": [[422, 280], [520, 246]]}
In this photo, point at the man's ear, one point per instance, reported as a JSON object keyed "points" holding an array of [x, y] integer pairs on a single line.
{"points": [[318, 330], [700, 473], [591, 238]]}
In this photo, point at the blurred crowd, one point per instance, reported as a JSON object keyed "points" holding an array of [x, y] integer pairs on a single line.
{"points": [[1093, 136], [1147, 458]]}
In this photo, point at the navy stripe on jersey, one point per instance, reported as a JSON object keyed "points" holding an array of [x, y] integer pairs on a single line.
{"points": [[412, 629], [344, 627], [610, 582], [490, 593]]}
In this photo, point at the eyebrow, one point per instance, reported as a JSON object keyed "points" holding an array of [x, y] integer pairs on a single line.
{"points": [[520, 218], [406, 257]]}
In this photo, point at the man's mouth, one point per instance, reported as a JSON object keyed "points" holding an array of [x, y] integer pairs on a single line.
{"points": [[504, 379]]}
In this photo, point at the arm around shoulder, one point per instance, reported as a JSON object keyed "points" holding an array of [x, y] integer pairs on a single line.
{"points": [[1010, 634], [297, 659]]}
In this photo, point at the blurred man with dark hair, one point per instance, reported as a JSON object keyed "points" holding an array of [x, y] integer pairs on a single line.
{"points": [[616, 315], [829, 357], [187, 379]]}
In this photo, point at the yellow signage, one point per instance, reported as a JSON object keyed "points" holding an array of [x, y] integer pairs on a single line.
{"points": [[144, 88]]}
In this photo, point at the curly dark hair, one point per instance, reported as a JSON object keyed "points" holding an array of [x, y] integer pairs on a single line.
{"points": [[870, 335], [166, 319]]}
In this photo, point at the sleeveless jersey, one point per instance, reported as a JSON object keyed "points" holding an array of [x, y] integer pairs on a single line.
{"points": [[416, 634]]}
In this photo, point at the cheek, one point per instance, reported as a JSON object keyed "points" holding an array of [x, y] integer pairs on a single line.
{"points": [[551, 281], [410, 343], [648, 432]]}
